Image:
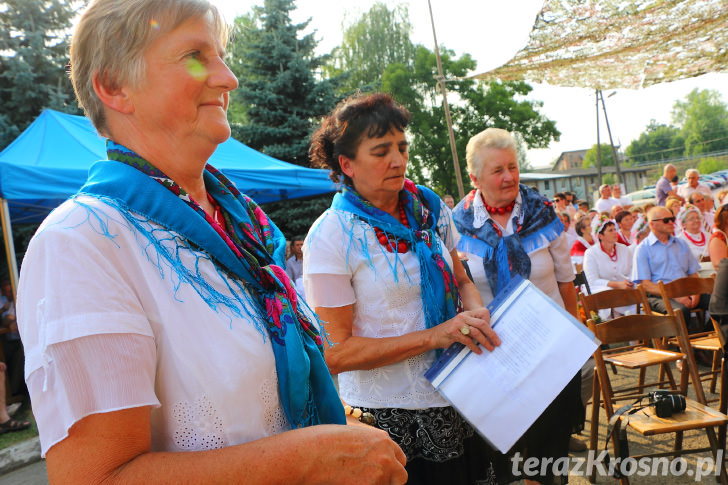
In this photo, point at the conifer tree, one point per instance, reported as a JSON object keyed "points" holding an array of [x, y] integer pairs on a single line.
{"points": [[281, 92], [33, 57]]}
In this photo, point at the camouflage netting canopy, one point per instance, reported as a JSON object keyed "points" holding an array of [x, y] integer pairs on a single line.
{"points": [[608, 44]]}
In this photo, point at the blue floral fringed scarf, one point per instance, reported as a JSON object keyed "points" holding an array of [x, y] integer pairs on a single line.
{"points": [[536, 225], [250, 249], [440, 295]]}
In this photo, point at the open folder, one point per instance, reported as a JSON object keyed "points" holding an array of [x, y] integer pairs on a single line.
{"points": [[501, 393]]}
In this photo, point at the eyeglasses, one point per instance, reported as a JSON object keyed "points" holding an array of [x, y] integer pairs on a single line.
{"points": [[665, 220]]}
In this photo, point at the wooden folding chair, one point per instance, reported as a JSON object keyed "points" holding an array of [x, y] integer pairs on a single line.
{"points": [[639, 356], [579, 280], [698, 341], [645, 421]]}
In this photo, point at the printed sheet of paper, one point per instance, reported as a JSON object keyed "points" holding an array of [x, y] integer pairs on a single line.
{"points": [[503, 392]]}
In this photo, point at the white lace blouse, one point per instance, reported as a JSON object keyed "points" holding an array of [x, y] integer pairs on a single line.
{"points": [[107, 325], [344, 264]]}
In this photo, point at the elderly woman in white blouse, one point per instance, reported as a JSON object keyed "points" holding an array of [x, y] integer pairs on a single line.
{"points": [[691, 221], [608, 264], [164, 341], [509, 229]]}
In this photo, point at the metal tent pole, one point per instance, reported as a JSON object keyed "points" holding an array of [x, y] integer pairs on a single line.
{"points": [[9, 245], [599, 145], [611, 142]]}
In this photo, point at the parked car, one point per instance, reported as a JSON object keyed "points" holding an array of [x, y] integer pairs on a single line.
{"points": [[710, 181], [642, 197]]}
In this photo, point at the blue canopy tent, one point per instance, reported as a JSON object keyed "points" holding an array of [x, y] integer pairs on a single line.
{"points": [[49, 161]]}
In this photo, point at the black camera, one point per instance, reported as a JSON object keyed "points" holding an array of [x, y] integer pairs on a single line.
{"points": [[666, 403]]}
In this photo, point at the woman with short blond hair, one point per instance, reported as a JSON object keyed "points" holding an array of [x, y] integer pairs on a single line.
{"points": [[164, 340], [508, 229]]}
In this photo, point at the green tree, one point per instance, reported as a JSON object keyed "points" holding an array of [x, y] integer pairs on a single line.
{"points": [[474, 106], [710, 165], [657, 142], [590, 157], [703, 120], [280, 93], [33, 57], [380, 37], [609, 178], [377, 53]]}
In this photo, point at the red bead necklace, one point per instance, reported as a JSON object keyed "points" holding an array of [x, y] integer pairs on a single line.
{"points": [[612, 256], [700, 242], [498, 210], [390, 242]]}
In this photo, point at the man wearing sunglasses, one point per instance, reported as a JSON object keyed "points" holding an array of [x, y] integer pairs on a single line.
{"points": [[661, 256]]}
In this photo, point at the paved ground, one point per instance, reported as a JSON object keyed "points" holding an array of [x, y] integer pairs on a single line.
{"points": [[688, 472], [33, 474]]}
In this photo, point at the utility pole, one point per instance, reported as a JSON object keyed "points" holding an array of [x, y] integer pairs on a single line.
{"points": [[441, 80], [611, 142], [599, 145]]}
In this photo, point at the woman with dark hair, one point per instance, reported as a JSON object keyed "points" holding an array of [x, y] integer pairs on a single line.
{"points": [[625, 221], [584, 240], [381, 269], [608, 263], [718, 248]]}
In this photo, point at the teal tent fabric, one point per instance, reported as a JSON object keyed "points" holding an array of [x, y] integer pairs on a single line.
{"points": [[49, 161]]}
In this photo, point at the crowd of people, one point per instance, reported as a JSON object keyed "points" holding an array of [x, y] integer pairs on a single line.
{"points": [[171, 331]]}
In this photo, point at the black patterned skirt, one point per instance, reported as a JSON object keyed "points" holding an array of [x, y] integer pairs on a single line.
{"points": [[441, 447]]}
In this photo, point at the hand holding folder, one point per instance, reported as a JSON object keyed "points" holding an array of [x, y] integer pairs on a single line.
{"points": [[502, 392]]}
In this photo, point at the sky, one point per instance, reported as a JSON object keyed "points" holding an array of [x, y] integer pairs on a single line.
{"points": [[492, 31]]}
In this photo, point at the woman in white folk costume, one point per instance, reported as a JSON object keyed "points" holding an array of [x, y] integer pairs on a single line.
{"points": [[583, 241], [608, 264], [381, 269], [691, 221], [164, 340], [508, 229]]}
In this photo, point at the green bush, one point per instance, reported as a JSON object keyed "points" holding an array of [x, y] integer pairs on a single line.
{"points": [[710, 165]]}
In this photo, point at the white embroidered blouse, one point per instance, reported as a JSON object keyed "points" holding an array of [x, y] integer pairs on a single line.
{"points": [[345, 264]]}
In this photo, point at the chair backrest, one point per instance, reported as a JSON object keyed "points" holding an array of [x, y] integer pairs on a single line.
{"points": [[719, 331], [614, 298], [578, 268], [644, 327], [688, 286], [580, 279], [684, 287]]}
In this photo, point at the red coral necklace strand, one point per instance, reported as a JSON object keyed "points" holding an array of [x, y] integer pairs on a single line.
{"points": [[390, 242], [498, 210]]}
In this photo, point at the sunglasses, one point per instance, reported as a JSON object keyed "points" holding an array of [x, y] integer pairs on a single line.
{"points": [[665, 220]]}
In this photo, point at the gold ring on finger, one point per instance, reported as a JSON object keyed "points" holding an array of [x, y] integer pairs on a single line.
{"points": [[465, 330]]}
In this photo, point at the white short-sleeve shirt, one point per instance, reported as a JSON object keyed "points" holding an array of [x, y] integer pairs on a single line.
{"points": [[345, 264], [108, 325]]}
